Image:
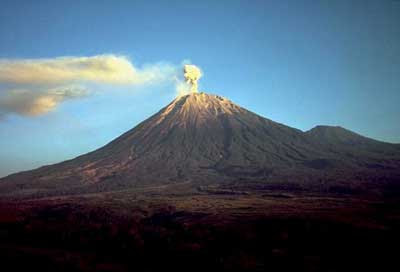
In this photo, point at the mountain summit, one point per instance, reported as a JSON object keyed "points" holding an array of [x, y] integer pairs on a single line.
{"points": [[204, 139]]}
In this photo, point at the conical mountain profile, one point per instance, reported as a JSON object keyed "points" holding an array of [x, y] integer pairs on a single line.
{"points": [[207, 140]]}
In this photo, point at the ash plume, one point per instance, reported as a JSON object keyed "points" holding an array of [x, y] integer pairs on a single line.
{"points": [[192, 74]]}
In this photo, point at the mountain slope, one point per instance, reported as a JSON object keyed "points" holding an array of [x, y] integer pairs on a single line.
{"points": [[206, 139], [351, 146]]}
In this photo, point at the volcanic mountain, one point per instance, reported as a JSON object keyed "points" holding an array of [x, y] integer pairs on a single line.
{"points": [[206, 140]]}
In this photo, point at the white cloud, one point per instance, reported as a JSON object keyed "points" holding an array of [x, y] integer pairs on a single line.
{"points": [[111, 69], [38, 86], [182, 88], [33, 103]]}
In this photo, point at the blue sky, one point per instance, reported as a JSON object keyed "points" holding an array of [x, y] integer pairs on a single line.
{"points": [[301, 63]]}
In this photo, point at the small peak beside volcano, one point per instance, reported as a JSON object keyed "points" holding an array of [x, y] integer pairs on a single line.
{"points": [[338, 134]]}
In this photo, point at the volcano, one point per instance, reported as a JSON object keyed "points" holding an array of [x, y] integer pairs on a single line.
{"points": [[206, 140]]}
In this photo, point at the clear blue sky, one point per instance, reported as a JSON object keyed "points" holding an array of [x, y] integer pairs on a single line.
{"points": [[301, 63]]}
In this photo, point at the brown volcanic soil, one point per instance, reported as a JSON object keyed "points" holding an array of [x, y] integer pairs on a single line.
{"points": [[156, 229]]}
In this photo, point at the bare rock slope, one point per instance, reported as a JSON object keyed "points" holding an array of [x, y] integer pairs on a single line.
{"points": [[204, 140]]}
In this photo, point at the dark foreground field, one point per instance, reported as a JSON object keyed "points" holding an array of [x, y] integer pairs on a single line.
{"points": [[203, 231]]}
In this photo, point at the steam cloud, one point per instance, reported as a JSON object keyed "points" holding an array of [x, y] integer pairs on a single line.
{"points": [[32, 87], [34, 103], [109, 69]]}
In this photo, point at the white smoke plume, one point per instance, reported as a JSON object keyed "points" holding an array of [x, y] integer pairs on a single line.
{"points": [[192, 74], [189, 85]]}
